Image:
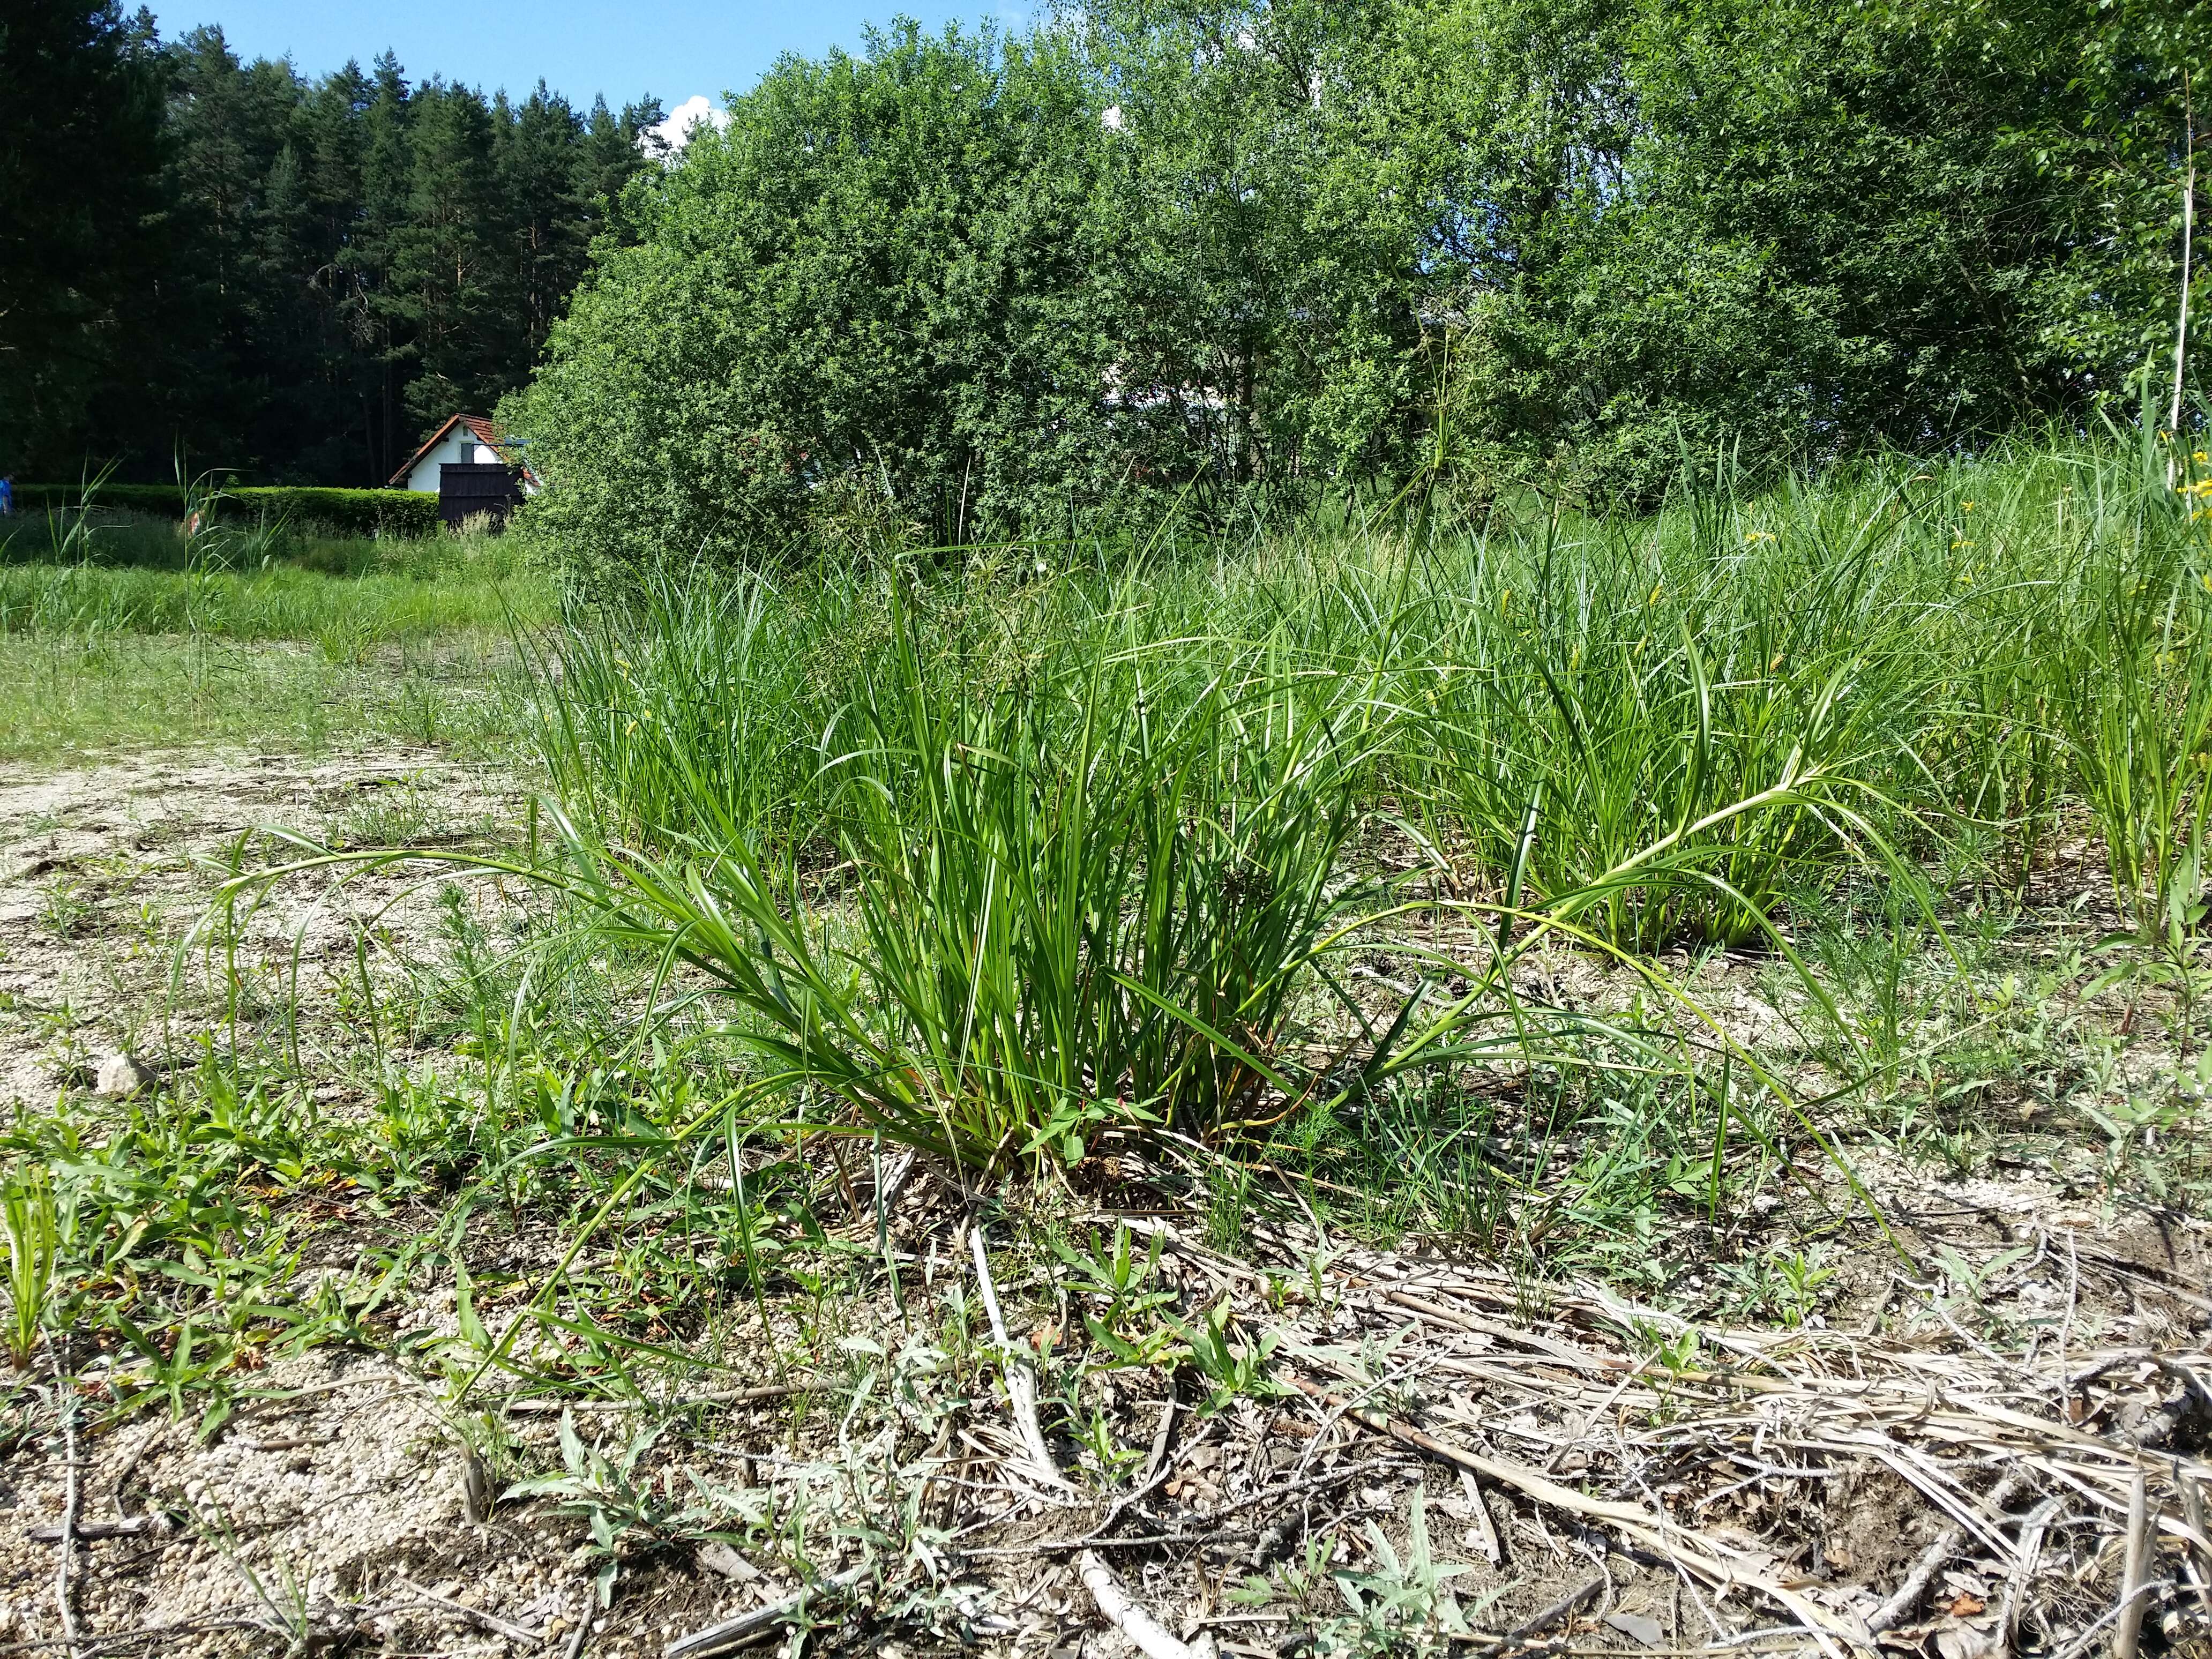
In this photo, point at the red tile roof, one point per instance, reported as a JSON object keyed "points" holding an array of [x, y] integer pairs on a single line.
{"points": [[483, 430]]}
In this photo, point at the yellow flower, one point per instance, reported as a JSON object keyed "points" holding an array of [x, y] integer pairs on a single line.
{"points": [[1966, 506], [1754, 535]]}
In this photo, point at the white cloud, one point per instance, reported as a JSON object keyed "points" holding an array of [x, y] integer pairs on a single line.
{"points": [[672, 135]]}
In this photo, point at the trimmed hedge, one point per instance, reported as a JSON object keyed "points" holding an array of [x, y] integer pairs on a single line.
{"points": [[357, 512]]}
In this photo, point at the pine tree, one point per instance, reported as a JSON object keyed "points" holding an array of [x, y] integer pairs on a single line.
{"points": [[441, 272], [329, 134], [81, 223], [614, 151], [287, 280], [537, 150]]}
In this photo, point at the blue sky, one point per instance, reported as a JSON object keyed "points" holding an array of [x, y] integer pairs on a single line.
{"points": [[674, 48]]}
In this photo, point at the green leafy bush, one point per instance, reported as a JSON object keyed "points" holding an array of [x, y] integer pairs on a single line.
{"points": [[868, 301], [1224, 259]]}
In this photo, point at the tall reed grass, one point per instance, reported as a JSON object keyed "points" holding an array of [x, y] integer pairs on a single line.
{"points": [[1924, 631]]}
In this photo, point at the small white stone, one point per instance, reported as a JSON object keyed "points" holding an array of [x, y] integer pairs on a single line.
{"points": [[119, 1077]]}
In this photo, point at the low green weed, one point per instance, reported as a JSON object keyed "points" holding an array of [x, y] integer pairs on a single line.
{"points": [[1784, 1285], [1127, 1284], [26, 1209], [1230, 1367]]}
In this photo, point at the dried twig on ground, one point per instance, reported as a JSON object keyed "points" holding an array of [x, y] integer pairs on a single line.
{"points": [[1916, 1582], [2199, 1548], [1714, 1563], [2023, 1570], [1486, 1530], [1157, 1455], [108, 1641], [72, 1493], [2127, 1631], [1021, 1381], [490, 1621], [1564, 1607], [754, 1396], [129, 1527], [749, 1627]]}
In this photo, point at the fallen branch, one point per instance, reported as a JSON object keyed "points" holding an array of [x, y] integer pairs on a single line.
{"points": [[2193, 1509], [1021, 1382], [1158, 1454], [1564, 1607], [72, 1495], [580, 1637], [1124, 1614], [1200, 1528], [1565, 1354], [107, 1641], [2128, 1632], [490, 1621], [1945, 1545], [754, 1396], [2088, 1637], [2023, 1570], [129, 1527], [1493, 1547]]}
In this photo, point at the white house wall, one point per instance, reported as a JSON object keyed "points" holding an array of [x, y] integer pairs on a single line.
{"points": [[458, 448]]}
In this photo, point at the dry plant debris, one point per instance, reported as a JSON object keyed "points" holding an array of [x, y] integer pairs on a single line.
{"points": [[1335, 1423]]}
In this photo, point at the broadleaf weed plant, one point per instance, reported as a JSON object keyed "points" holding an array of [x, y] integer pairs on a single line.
{"points": [[624, 1510]]}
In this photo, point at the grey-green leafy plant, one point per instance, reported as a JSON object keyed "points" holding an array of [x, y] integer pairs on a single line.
{"points": [[1409, 1593], [622, 1507], [286, 1608]]}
